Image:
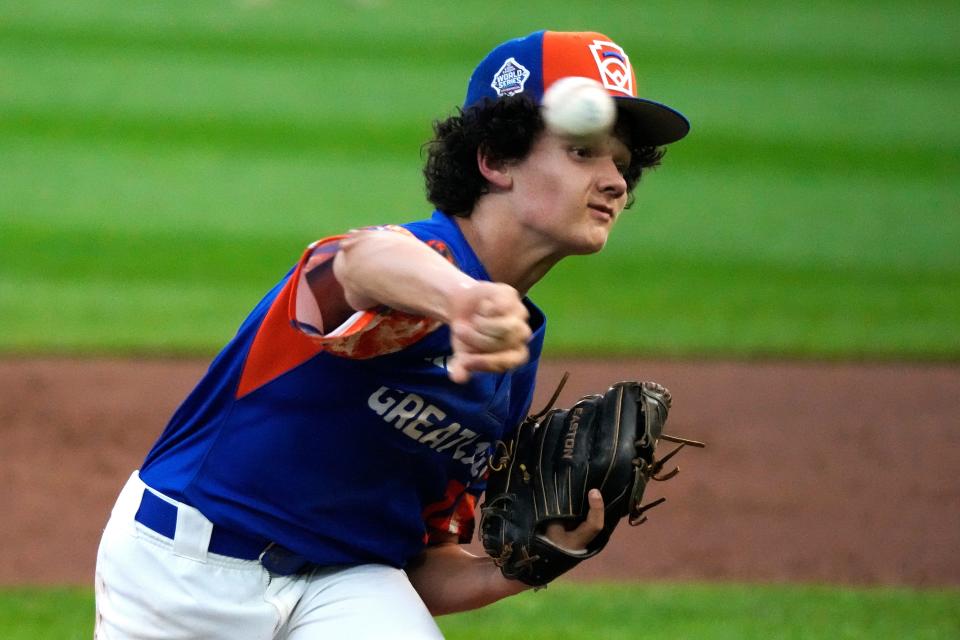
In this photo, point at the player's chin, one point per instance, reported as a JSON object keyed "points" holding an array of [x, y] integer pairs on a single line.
{"points": [[591, 242]]}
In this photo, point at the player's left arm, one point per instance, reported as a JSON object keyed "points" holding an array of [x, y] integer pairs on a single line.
{"points": [[450, 579]]}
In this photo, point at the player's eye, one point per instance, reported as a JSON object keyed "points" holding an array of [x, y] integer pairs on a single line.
{"points": [[581, 152]]}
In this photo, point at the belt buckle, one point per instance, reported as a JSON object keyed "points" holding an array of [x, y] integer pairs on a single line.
{"points": [[281, 561]]}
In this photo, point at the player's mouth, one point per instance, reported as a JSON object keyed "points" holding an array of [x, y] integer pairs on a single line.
{"points": [[601, 212]]}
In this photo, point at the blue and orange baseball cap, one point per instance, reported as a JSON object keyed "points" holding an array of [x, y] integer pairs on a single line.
{"points": [[530, 64]]}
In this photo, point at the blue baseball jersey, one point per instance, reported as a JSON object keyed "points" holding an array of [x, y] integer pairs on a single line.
{"points": [[347, 447]]}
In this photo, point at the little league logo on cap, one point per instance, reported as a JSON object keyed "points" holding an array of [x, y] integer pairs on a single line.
{"points": [[509, 78], [614, 66]]}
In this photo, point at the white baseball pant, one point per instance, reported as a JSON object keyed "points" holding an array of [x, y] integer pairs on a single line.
{"points": [[151, 587]]}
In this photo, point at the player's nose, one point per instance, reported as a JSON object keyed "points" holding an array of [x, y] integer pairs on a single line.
{"points": [[610, 180]]}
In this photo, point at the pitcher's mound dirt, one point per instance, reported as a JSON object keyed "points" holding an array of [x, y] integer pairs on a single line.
{"points": [[815, 472]]}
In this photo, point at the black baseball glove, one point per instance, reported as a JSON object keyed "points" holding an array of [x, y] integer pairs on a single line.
{"points": [[557, 456]]}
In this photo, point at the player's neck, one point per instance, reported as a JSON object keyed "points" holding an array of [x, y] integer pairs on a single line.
{"points": [[507, 252]]}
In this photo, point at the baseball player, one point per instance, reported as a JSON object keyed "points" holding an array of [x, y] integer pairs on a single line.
{"points": [[321, 478]]}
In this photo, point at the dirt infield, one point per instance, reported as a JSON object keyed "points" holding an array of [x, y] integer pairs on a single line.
{"points": [[835, 473]]}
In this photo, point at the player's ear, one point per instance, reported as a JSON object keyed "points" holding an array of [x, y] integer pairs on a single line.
{"points": [[495, 170]]}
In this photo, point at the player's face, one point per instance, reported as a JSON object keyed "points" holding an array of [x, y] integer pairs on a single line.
{"points": [[570, 191]]}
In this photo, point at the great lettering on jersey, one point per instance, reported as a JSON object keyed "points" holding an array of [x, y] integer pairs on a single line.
{"points": [[426, 424]]}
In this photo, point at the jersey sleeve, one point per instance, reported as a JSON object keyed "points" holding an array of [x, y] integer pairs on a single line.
{"points": [[365, 334], [291, 330]]}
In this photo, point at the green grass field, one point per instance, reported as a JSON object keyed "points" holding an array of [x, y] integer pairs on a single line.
{"points": [[566, 612], [165, 163]]}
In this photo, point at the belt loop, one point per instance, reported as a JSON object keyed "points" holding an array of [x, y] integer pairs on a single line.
{"points": [[129, 500], [192, 537]]}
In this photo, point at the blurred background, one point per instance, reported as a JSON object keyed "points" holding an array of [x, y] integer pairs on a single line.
{"points": [[162, 165], [169, 160]]}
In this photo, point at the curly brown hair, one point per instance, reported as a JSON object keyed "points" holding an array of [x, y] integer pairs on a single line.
{"points": [[506, 129]]}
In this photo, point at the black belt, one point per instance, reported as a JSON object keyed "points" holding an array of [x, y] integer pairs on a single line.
{"points": [[160, 516]]}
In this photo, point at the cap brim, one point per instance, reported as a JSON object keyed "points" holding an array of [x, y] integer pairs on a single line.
{"points": [[654, 123]]}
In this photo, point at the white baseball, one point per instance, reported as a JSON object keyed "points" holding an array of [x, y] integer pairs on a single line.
{"points": [[576, 106]]}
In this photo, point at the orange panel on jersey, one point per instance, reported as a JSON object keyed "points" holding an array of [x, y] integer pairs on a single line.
{"points": [[277, 347], [454, 489], [452, 514]]}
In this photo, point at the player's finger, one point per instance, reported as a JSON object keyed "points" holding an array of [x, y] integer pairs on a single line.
{"points": [[502, 303], [456, 371], [506, 327], [494, 362], [476, 341], [595, 516], [587, 530]]}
